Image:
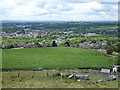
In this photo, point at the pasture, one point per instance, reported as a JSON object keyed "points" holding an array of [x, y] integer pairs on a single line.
{"points": [[55, 57]]}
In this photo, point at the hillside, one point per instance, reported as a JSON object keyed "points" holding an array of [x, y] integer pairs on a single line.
{"points": [[54, 57]]}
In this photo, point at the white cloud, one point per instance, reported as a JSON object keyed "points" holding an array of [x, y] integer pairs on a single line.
{"points": [[86, 7], [58, 9], [115, 7]]}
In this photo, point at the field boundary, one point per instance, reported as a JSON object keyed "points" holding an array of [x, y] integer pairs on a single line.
{"points": [[56, 69]]}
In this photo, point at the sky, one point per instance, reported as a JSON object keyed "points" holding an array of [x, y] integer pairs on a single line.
{"points": [[59, 10]]}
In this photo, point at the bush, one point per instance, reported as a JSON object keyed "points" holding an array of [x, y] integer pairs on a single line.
{"points": [[9, 47], [93, 41], [57, 74], [67, 44], [36, 43], [117, 47], [109, 50], [82, 41], [54, 44]]}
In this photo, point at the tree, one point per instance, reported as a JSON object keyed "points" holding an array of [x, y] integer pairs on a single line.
{"points": [[117, 47], [77, 45], [36, 43], [67, 44], [9, 46], [54, 44], [83, 40], [93, 41], [109, 49], [109, 42]]}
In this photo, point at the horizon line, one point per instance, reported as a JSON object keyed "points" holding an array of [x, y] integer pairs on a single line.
{"points": [[63, 20]]}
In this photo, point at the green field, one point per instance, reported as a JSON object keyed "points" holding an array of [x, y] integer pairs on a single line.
{"points": [[54, 57]]}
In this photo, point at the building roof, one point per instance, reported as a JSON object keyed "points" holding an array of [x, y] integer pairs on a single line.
{"points": [[105, 71]]}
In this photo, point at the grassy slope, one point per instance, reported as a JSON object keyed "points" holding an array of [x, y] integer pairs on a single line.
{"points": [[54, 57]]}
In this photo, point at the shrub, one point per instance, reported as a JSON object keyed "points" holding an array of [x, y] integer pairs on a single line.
{"points": [[9, 47], [109, 50], [57, 74], [67, 44], [54, 44]]}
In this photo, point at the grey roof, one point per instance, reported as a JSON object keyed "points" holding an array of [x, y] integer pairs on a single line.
{"points": [[105, 71]]}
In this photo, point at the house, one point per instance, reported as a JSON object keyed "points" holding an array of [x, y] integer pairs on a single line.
{"points": [[22, 45], [58, 41], [90, 34], [116, 68], [103, 42]]}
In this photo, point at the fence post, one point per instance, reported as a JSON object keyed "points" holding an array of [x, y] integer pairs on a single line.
{"points": [[47, 74], [33, 74], [18, 73]]}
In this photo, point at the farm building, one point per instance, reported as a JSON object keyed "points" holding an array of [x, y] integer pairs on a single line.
{"points": [[105, 71]]}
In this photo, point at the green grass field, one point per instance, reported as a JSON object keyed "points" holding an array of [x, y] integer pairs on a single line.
{"points": [[54, 57]]}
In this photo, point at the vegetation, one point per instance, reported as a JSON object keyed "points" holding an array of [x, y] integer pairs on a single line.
{"points": [[54, 44], [40, 79], [106, 28], [109, 49], [55, 57], [72, 34], [58, 45]]}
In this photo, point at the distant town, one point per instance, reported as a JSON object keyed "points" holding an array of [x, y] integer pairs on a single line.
{"points": [[87, 35]]}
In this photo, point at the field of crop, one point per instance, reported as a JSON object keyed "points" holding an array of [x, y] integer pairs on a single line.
{"points": [[54, 57]]}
